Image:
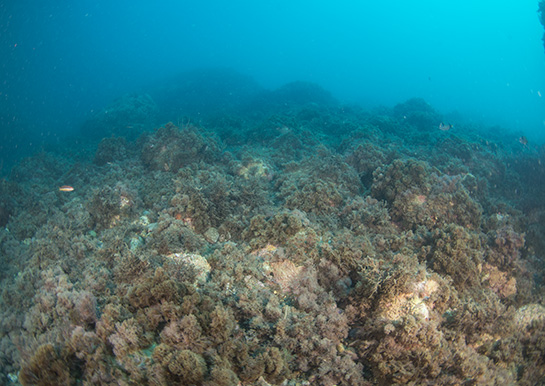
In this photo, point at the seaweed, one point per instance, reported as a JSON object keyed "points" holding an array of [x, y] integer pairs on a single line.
{"points": [[458, 254], [46, 367], [321, 244], [180, 366], [110, 150]]}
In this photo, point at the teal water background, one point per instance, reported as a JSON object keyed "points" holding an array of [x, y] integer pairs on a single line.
{"points": [[62, 61]]}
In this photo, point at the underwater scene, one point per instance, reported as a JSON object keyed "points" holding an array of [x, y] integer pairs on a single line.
{"points": [[218, 223]]}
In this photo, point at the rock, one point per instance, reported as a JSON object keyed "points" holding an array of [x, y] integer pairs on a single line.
{"points": [[212, 235]]}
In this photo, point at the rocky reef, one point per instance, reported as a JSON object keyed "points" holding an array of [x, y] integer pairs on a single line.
{"points": [[310, 244]]}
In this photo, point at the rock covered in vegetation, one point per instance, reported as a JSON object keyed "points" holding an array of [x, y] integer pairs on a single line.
{"points": [[300, 258], [128, 116]]}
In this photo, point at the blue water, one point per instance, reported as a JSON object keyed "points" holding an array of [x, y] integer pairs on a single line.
{"points": [[61, 62]]}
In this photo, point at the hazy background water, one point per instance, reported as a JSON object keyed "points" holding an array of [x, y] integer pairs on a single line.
{"points": [[61, 61]]}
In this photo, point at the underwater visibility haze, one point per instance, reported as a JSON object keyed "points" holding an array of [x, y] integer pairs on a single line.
{"points": [[272, 193], [61, 62]]}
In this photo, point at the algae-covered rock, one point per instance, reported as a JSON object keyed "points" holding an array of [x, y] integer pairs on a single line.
{"points": [[180, 366], [457, 253], [298, 242], [128, 116], [46, 367], [172, 148]]}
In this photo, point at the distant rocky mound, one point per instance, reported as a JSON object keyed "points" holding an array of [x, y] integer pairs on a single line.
{"points": [[203, 92], [418, 113], [215, 96], [128, 116], [294, 94]]}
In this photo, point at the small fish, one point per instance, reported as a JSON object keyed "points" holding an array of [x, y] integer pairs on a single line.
{"points": [[446, 127], [66, 188], [523, 140]]}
